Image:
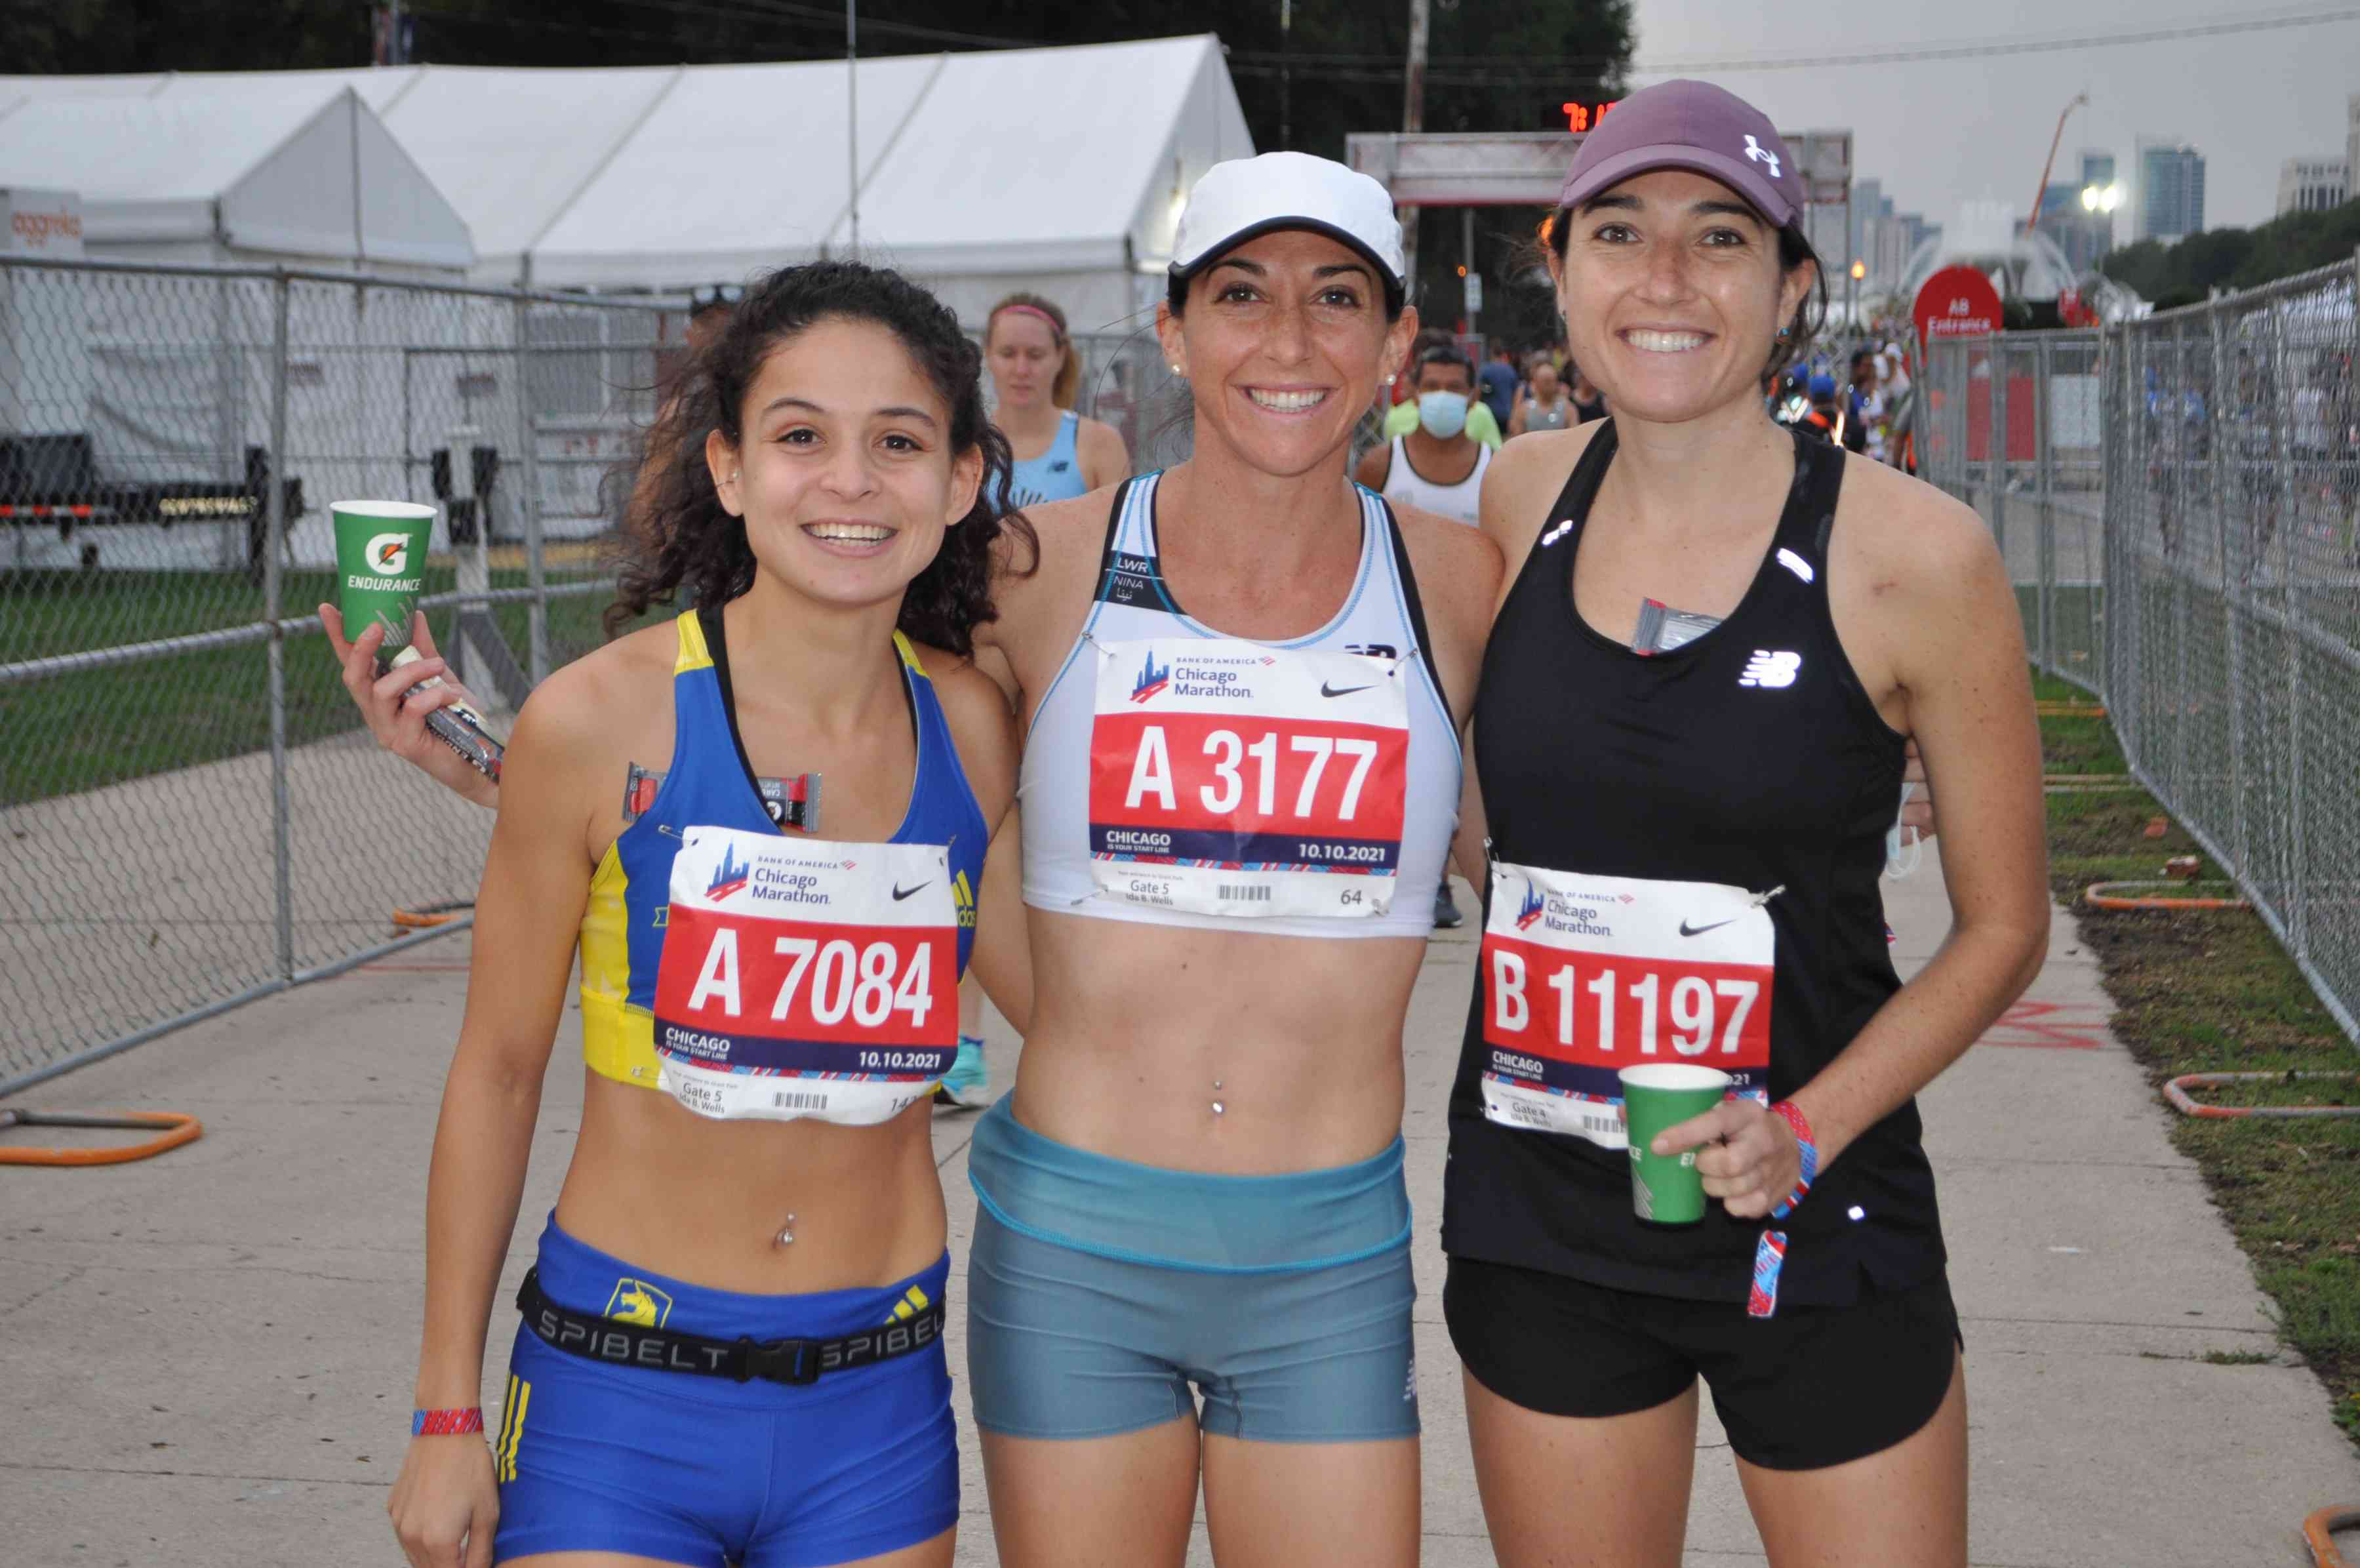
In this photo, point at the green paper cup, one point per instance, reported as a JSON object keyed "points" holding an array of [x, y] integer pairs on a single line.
{"points": [[381, 566], [1666, 1189]]}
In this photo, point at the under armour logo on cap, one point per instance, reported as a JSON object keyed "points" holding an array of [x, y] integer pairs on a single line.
{"points": [[1760, 153]]}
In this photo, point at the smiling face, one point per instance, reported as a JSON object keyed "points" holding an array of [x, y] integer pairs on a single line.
{"points": [[1673, 295], [845, 476], [1284, 342], [1025, 358]]}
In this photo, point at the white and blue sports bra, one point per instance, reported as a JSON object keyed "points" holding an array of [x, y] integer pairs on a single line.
{"points": [[1176, 776]]}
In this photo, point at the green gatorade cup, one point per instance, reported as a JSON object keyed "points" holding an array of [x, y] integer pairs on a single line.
{"points": [[380, 567], [1666, 1189]]}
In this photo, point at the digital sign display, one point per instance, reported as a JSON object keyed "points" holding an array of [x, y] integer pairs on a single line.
{"points": [[1579, 117]]}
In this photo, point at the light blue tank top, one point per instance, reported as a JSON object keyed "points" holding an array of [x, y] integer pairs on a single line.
{"points": [[1057, 474]]}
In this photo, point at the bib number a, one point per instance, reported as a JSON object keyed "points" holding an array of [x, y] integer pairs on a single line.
{"points": [[1583, 976], [802, 977], [1231, 779]]}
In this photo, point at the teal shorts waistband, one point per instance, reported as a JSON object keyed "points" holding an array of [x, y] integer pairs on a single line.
{"points": [[1186, 1219]]}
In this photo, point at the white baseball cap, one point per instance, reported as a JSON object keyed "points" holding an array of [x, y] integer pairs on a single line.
{"points": [[1244, 197]]}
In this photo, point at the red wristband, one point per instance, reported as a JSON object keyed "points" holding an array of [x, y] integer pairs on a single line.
{"points": [[446, 1423], [1794, 1118]]}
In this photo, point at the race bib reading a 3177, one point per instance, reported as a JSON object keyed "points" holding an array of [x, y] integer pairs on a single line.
{"points": [[802, 977], [1583, 976], [1231, 779]]}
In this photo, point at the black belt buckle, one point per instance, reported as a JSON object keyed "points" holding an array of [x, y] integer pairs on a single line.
{"points": [[788, 1361]]}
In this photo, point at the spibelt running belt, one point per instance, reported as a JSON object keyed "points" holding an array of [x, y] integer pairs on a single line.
{"points": [[790, 1361]]}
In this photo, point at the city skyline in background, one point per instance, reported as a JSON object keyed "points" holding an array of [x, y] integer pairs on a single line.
{"points": [[1935, 136]]}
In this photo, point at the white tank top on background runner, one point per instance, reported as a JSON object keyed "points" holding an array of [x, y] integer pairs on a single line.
{"points": [[1461, 501], [1176, 776]]}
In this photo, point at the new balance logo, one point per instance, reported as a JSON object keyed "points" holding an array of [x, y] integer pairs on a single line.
{"points": [[1770, 668]]}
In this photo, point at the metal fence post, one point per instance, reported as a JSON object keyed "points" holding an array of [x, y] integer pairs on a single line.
{"points": [[2045, 532], [274, 553], [2232, 613], [536, 564], [1997, 362]]}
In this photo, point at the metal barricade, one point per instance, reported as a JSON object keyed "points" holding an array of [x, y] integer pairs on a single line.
{"points": [[191, 814], [2180, 510]]}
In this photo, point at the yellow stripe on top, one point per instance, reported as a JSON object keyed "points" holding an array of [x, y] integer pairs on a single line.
{"points": [[619, 1040], [694, 655], [909, 655]]}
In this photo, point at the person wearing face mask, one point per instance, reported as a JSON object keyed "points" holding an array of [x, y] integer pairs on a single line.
{"points": [[1438, 462], [1402, 418], [1438, 467]]}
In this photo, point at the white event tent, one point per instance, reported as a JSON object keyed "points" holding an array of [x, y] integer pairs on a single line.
{"points": [[166, 376], [302, 176], [1055, 169]]}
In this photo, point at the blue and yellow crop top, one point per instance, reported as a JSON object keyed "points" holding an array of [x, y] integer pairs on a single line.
{"points": [[709, 784]]}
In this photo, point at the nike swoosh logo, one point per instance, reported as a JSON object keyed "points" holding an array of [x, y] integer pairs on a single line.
{"points": [[1688, 930], [902, 893], [1326, 690]]}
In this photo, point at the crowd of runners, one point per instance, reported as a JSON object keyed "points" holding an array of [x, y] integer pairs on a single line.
{"points": [[1175, 766]]}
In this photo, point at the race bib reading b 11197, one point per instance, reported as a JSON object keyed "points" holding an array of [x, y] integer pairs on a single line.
{"points": [[1583, 976], [1231, 779], [802, 977]]}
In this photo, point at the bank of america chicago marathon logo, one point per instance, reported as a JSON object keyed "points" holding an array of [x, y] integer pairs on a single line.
{"points": [[1533, 906], [731, 877], [1153, 679]]}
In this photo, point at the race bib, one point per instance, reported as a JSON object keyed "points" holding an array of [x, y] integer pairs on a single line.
{"points": [[1583, 976], [1226, 778], [805, 978]]}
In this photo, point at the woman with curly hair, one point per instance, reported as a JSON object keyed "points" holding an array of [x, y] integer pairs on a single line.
{"points": [[730, 1347]]}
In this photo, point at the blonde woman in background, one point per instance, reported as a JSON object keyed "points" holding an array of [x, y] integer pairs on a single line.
{"points": [[1036, 373]]}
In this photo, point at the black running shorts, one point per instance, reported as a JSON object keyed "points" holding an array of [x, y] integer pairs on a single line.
{"points": [[1809, 1388]]}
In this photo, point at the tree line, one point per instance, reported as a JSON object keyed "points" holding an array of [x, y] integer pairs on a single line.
{"points": [[2188, 271]]}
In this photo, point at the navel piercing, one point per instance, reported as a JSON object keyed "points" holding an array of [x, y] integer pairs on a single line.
{"points": [[787, 1232]]}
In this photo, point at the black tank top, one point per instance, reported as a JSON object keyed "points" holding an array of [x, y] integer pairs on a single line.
{"points": [[1640, 807]]}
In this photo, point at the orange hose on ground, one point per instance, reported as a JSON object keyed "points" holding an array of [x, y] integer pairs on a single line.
{"points": [[2175, 1090], [2096, 897], [179, 1129], [2319, 1531], [2069, 710], [426, 916]]}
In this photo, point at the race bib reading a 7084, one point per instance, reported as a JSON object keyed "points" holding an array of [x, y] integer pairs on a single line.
{"points": [[803, 977], [1231, 779]]}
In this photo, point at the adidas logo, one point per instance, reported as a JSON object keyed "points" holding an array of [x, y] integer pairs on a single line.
{"points": [[1770, 668]]}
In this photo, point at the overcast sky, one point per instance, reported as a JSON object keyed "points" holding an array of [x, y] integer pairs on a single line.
{"points": [[1940, 132]]}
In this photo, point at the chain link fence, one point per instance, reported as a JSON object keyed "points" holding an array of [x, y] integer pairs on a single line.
{"points": [[192, 813], [2180, 511]]}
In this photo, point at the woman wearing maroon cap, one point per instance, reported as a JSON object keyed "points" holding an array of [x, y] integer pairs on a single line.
{"points": [[1719, 639]]}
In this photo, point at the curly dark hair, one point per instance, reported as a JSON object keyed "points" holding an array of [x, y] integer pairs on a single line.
{"points": [[681, 541]]}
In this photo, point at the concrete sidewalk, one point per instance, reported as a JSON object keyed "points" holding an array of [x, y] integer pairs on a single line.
{"points": [[207, 1358]]}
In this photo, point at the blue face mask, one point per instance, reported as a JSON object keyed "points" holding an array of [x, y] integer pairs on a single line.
{"points": [[1444, 414]]}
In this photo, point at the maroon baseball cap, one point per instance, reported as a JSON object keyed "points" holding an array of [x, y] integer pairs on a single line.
{"points": [[1693, 126]]}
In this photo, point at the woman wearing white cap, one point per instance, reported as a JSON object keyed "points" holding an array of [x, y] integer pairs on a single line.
{"points": [[1239, 782], [1714, 902]]}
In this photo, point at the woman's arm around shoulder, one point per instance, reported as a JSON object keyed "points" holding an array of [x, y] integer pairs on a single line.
{"points": [[1105, 459], [1520, 485], [985, 732], [1037, 585], [1458, 572]]}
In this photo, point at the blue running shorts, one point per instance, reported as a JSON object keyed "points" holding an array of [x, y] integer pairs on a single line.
{"points": [[592, 1457], [1104, 1297]]}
